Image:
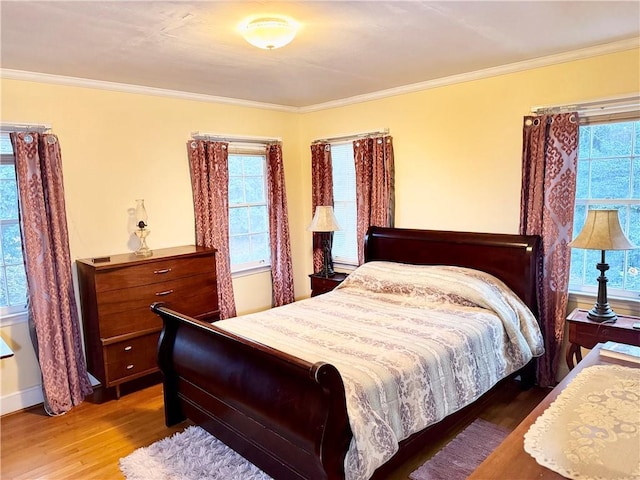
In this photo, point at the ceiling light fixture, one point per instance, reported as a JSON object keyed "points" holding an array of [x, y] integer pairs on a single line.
{"points": [[269, 32]]}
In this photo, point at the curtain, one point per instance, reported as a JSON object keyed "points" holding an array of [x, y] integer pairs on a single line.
{"points": [[374, 186], [45, 240], [549, 165], [209, 166], [281, 265], [321, 191]]}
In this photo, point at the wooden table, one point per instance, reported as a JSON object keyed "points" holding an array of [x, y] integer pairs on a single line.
{"points": [[585, 333], [510, 460], [320, 284]]}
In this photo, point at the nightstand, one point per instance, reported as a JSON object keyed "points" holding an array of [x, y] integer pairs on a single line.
{"points": [[320, 284], [585, 333]]}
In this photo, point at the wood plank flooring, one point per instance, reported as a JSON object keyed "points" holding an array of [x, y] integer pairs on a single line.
{"points": [[88, 441]]}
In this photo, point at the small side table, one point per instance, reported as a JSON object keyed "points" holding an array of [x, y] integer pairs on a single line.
{"points": [[585, 333], [320, 284]]}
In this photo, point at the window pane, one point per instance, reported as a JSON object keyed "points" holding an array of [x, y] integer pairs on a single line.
{"points": [[636, 178], [254, 165], [238, 220], [248, 224], [4, 296], [610, 178], [5, 145], [582, 183], [345, 242], [258, 219], [236, 190], [240, 249], [260, 247], [11, 244], [584, 142], [613, 175], [235, 166], [16, 285], [634, 225], [633, 270], [254, 189], [611, 139], [8, 198], [636, 150]]}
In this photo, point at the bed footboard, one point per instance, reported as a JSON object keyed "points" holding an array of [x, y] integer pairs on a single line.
{"points": [[285, 415]]}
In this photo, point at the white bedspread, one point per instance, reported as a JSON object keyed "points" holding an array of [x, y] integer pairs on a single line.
{"points": [[413, 344]]}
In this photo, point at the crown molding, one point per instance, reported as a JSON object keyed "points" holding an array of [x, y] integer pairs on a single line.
{"points": [[136, 89], [574, 55], [565, 57]]}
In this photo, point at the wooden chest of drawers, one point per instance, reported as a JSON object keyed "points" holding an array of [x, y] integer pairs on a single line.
{"points": [[120, 331]]}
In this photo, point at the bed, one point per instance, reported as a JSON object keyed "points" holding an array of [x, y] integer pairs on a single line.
{"points": [[294, 417]]}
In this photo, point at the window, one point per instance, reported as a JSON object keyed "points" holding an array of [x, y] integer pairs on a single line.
{"points": [[609, 177], [248, 209], [345, 246], [13, 280]]}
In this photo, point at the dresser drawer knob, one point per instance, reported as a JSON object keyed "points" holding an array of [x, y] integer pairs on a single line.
{"points": [[130, 366], [127, 348], [164, 270], [162, 294]]}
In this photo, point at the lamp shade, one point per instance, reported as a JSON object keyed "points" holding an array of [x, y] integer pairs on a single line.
{"points": [[269, 33], [324, 220], [602, 231]]}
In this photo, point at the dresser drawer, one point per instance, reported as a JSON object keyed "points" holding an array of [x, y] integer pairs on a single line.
{"points": [[153, 272], [132, 357], [186, 295], [138, 319]]}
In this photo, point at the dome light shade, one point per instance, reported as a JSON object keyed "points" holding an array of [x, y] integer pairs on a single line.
{"points": [[269, 32]]}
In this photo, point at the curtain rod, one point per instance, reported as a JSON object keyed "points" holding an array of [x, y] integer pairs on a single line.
{"points": [[216, 137], [24, 127], [605, 106], [352, 136]]}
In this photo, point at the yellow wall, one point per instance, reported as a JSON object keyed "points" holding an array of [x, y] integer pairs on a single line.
{"points": [[457, 150]]}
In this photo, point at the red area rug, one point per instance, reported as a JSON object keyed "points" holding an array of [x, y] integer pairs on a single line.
{"points": [[462, 455]]}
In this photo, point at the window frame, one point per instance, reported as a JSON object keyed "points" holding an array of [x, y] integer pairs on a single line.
{"points": [[586, 292], [250, 149], [11, 314], [342, 261]]}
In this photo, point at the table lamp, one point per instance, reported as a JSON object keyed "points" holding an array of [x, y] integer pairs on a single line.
{"points": [[602, 231], [143, 232], [324, 223]]}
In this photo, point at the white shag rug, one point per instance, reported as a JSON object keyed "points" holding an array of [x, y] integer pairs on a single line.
{"points": [[192, 454]]}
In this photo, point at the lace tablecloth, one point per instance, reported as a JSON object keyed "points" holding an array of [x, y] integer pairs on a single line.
{"points": [[592, 430]]}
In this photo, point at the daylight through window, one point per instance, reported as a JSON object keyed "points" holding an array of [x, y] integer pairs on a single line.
{"points": [[248, 210], [13, 280], [345, 245], [609, 177]]}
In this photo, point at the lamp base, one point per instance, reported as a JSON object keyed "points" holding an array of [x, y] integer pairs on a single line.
{"points": [[602, 313], [143, 250]]}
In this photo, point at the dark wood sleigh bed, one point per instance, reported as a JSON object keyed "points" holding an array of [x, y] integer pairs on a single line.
{"points": [[286, 415]]}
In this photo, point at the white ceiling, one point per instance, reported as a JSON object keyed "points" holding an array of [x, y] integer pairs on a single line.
{"points": [[344, 48]]}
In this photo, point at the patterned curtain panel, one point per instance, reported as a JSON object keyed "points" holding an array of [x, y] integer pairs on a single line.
{"points": [[375, 191], [209, 165], [549, 163], [321, 191], [45, 240], [281, 266]]}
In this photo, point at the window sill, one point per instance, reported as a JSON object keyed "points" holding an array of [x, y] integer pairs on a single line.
{"points": [[250, 271], [621, 303], [13, 319]]}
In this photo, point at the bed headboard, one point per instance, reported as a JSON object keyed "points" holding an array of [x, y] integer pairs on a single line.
{"points": [[512, 258]]}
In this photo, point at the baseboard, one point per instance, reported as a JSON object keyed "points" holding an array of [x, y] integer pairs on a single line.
{"points": [[21, 399], [29, 397]]}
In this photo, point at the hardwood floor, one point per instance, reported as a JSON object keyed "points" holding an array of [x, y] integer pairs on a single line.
{"points": [[88, 441]]}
